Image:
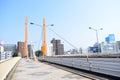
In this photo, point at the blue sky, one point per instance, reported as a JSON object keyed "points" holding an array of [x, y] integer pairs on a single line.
{"points": [[71, 18]]}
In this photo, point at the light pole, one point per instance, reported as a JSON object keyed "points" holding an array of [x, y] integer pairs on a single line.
{"points": [[96, 30], [44, 46]]}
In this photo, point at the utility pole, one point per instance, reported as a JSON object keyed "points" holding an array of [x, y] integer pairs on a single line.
{"points": [[26, 38], [44, 46]]}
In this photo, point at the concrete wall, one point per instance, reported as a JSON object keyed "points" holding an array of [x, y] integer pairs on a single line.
{"points": [[6, 66]]}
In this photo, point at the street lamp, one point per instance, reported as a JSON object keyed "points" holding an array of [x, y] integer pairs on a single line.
{"points": [[44, 46], [96, 30], [40, 25]]}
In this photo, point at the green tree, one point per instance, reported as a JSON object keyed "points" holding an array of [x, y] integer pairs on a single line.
{"points": [[39, 53], [15, 54]]}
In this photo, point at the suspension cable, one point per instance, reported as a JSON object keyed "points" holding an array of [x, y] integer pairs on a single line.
{"points": [[40, 39], [62, 38]]}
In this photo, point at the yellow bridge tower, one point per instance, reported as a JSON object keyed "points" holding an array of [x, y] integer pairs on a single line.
{"points": [[26, 38], [44, 46]]}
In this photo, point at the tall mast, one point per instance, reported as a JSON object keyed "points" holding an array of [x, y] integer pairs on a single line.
{"points": [[26, 38], [44, 49]]}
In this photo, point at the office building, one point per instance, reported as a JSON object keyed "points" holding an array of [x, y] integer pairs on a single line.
{"points": [[20, 49], [8, 54], [110, 38], [58, 48], [96, 48], [118, 46], [9, 47], [50, 50], [108, 47], [6, 51], [30, 51]]}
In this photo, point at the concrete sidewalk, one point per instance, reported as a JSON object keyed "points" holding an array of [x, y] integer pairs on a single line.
{"points": [[30, 70]]}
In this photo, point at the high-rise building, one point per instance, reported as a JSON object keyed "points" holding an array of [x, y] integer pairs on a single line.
{"points": [[20, 49], [58, 48], [110, 38], [50, 50], [30, 51]]}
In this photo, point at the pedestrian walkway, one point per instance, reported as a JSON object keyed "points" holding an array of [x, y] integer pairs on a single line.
{"points": [[30, 70]]}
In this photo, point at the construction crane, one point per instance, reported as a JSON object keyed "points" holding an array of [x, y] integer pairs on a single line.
{"points": [[26, 38]]}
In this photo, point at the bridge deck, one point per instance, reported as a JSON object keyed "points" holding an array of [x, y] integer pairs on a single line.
{"points": [[30, 70]]}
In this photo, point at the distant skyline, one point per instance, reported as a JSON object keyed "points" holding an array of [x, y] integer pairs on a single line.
{"points": [[71, 19]]}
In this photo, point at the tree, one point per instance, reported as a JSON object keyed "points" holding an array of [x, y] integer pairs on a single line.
{"points": [[39, 53], [15, 54]]}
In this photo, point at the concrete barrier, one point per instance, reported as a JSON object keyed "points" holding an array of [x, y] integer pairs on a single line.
{"points": [[6, 66]]}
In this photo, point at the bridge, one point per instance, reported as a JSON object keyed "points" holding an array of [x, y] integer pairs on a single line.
{"points": [[60, 68], [23, 69]]}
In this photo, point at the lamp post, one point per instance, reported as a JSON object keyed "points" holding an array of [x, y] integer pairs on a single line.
{"points": [[44, 46], [96, 30]]}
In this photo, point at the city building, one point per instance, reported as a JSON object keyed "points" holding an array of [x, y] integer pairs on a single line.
{"points": [[96, 48], [30, 51], [118, 46], [50, 50], [8, 54], [80, 51], [92, 49], [1, 48], [108, 47], [111, 47], [58, 48], [2, 55], [75, 51], [20, 49], [10, 47], [110, 38], [6, 50]]}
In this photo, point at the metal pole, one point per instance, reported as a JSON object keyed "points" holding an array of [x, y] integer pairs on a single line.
{"points": [[26, 38], [97, 40], [44, 46], [96, 35]]}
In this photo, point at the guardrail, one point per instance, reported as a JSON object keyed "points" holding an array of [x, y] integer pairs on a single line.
{"points": [[6, 66], [108, 66], [93, 55]]}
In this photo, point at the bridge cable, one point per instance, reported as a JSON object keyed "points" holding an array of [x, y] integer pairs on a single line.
{"points": [[62, 38]]}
